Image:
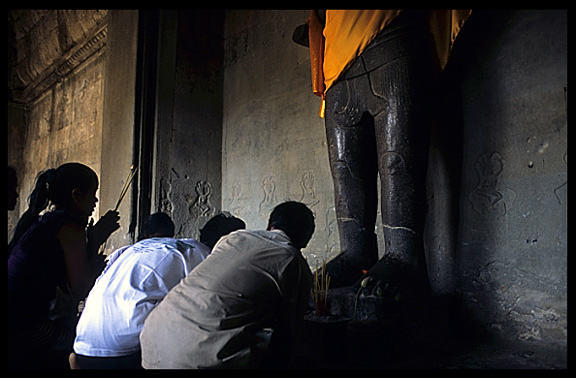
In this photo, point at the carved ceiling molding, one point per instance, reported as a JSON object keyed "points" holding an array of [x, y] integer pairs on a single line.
{"points": [[81, 53]]}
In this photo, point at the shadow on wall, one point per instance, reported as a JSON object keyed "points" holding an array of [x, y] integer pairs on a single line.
{"points": [[506, 86]]}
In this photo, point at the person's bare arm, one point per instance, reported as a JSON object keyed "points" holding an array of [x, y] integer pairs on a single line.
{"points": [[72, 238]]}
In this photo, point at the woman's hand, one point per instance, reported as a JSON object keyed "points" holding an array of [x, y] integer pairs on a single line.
{"points": [[98, 233]]}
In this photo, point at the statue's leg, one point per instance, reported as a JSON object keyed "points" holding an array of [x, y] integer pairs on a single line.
{"points": [[403, 157], [353, 161], [377, 120], [402, 131]]}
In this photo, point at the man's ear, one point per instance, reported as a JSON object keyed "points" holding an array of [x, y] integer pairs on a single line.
{"points": [[76, 193]]}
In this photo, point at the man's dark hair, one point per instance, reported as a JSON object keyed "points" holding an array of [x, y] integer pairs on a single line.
{"points": [[218, 226], [295, 219], [158, 225]]}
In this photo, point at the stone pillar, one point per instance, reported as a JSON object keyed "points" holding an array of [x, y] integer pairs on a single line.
{"points": [[118, 120]]}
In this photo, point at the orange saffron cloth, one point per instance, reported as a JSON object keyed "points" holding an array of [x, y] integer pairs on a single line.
{"points": [[336, 45]]}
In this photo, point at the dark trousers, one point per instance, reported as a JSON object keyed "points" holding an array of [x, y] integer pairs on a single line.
{"points": [[131, 361]]}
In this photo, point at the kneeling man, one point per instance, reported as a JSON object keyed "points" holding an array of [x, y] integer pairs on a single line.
{"points": [[252, 280]]}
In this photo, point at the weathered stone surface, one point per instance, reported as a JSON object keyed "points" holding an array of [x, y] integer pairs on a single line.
{"points": [[513, 230], [274, 143], [60, 33], [58, 73]]}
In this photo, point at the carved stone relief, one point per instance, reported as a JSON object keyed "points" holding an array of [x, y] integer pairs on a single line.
{"points": [[491, 195], [237, 205], [269, 200], [201, 206], [36, 72], [561, 192], [308, 192], [165, 205]]}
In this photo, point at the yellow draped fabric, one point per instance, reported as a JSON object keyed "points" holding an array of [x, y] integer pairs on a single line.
{"points": [[336, 45], [347, 33]]}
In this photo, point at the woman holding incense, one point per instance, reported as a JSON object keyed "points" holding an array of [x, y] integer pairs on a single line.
{"points": [[55, 250]]}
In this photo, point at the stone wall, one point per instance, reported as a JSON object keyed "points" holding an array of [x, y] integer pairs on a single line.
{"points": [[55, 82], [274, 144], [65, 123], [511, 78], [119, 114], [188, 165]]}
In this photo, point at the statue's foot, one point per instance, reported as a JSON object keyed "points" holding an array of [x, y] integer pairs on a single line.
{"points": [[345, 270], [390, 272]]}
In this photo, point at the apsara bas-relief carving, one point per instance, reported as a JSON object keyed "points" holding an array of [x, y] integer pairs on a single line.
{"points": [[491, 195]]}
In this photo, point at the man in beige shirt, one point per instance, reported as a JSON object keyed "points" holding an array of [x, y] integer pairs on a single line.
{"points": [[252, 280]]}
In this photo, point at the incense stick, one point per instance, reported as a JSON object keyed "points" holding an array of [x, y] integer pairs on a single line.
{"points": [[126, 186], [321, 284]]}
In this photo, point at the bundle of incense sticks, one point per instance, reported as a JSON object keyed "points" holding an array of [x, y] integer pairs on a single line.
{"points": [[321, 284], [126, 185]]}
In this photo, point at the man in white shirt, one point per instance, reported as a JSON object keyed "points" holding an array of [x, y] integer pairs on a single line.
{"points": [[133, 283], [252, 280]]}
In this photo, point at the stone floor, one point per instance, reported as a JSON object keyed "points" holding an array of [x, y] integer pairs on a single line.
{"points": [[521, 355], [476, 355], [431, 335]]}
